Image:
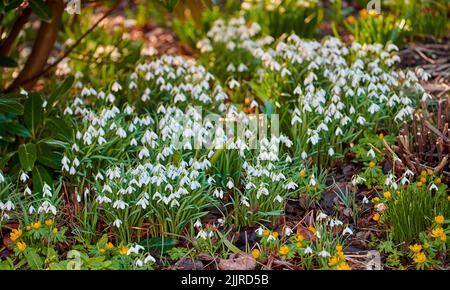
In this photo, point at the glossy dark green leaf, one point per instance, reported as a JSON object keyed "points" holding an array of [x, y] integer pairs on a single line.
{"points": [[6, 158], [47, 157], [6, 61], [59, 127], [40, 177], [18, 129], [61, 90], [11, 103], [13, 5], [41, 9], [33, 111], [27, 156]]}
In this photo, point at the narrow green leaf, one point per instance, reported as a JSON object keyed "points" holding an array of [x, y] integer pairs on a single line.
{"points": [[33, 109], [40, 176], [34, 260]]}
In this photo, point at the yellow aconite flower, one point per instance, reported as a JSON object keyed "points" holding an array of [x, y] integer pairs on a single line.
{"points": [[312, 229], [443, 237], [381, 136], [36, 225], [416, 248], [275, 234], [102, 251], [284, 250], [420, 258], [423, 180], [439, 219], [437, 181], [109, 245], [123, 250], [49, 222], [15, 234], [371, 164], [423, 173], [344, 266], [298, 244], [376, 217], [299, 237], [426, 246], [266, 233], [333, 261], [55, 231], [339, 248], [351, 19], [28, 228], [437, 232], [302, 173], [419, 184], [256, 253], [387, 194], [21, 246], [430, 172], [363, 13]]}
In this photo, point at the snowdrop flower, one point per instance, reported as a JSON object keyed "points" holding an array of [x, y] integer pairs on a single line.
{"points": [[139, 263], [308, 250], [116, 87], [27, 191], [218, 193], [371, 153], [202, 234], [330, 152], [230, 184], [433, 187], [323, 254], [288, 231], [2, 179], [46, 190], [348, 231], [198, 224], [365, 200], [117, 223], [321, 216], [149, 259], [304, 155], [259, 231], [135, 249], [24, 177]]}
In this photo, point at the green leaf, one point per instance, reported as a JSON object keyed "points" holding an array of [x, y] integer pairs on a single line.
{"points": [[61, 90], [13, 5], [33, 109], [18, 130], [41, 10], [160, 244], [6, 61], [60, 126], [170, 4], [40, 176], [27, 156], [11, 103], [6, 158], [34, 260], [47, 157]]}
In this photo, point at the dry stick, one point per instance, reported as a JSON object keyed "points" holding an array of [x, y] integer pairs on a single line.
{"points": [[68, 51]]}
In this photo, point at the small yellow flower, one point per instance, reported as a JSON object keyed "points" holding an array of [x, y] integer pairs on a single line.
{"points": [[430, 172], [376, 217], [419, 184], [351, 19], [363, 13], [28, 228], [423, 173], [36, 225], [302, 173], [55, 231], [21, 246], [437, 180], [416, 248], [426, 246], [49, 222], [344, 266], [420, 258], [123, 250], [312, 229], [333, 261], [266, 233], [443, 237], [371, 164], [381, 136], [109, 245], [275, 234], [15, 234], [299, 237], [423, 180], [387, 194], [298, 244], [439, 219], [256, 253], [375, 199], [102, 251], [284, 250], [437, 232], [339, 248]]}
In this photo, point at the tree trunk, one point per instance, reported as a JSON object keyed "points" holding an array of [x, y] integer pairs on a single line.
{"points": [[42, 47]]}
